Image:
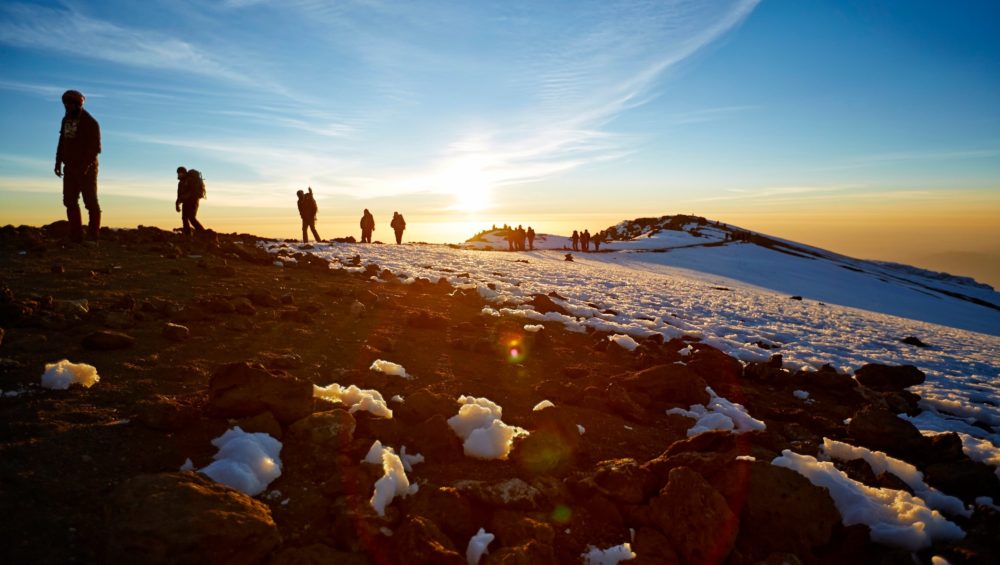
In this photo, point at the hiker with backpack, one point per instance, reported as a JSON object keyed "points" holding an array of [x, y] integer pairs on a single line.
{"points": [[398, 224], [190, 189], [367, 226], [307, 211]]}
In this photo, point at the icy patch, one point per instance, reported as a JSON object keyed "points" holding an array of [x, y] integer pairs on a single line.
{"points": [[485, 435], [247, 462], [368, 400], [533, 328], [542, 405], [895, 517], [390, 368], [477, 546], [609, 556], [393, 482], [624, 341], [800, 394], [62, 374], [882, 463], [720, 414]]}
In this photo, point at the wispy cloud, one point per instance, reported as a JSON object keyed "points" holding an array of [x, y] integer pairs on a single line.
{"points": [[876, 159]]}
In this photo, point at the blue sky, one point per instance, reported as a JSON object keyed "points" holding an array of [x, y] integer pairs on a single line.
{"points": [[787, 117]]}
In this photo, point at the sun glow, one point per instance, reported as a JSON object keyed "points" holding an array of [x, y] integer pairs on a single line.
{"points": [[468, 181]]}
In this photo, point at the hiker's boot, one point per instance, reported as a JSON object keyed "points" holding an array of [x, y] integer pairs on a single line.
{"points": [[75, 224], [94, 226]]}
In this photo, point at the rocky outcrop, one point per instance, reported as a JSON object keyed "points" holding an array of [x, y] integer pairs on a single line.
{"points": [[244, 389]]}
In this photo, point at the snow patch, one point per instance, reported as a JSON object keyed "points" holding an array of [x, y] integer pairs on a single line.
{"points": [[389, 368], [609, 556], [477, 546], [624, 341], [368, 400], [485, 435], [543, 405], [393, 482], [247, 462], [61, 374], [720, 414]]}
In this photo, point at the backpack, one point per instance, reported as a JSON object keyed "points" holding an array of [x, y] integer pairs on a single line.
{"points": [[195, 183]]}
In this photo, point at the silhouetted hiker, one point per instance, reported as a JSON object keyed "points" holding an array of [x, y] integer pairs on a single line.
{"points": [[585, 240], [307, 211], [576, 241], [520, 237], [76, 163], [367, 226], [531, 238], [398, 224], [597, 240], [509, 234], [190, 189]]}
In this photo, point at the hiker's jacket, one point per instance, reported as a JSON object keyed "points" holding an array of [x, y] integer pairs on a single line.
{"points": [[79, 141]]}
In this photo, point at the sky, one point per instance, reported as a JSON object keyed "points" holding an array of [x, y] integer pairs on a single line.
{"points": [[867, 128]]}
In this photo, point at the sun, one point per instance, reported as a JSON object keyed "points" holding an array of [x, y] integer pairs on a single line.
{"points": [[469, 184]]}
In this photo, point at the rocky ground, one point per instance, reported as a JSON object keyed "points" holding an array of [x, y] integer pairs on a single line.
{"points": [[193, 337]]}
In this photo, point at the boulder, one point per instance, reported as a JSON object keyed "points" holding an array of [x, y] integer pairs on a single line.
{"points": [[422, 542], [889, 377], [265, 422], [695, 518], [666, 385], [176, 332], [622, 480], [717, 368], [333, 429], [543, 304], [514, 493], [779, 510], [165, 413], [103, 340], [186, 518], [447, 508], [433, 437], [514, 528], [879, 429], [653, 548], [263, 297], [244, 389], [422, 404], [532, 552]]}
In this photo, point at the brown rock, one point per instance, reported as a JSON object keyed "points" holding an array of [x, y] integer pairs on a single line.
{"points": [[514, 528], [780, 511], [317, 554], [889, 377], [510, 493], [263, 297], [623, 480], [242, 389], [176, 332], [422, 404], [421, 541], [532, 552], [329, 430], [165, 413], [653, 548], [877, 428], [447, 508], [695, 518], [104, 340], [434, 437], [265, 422], [720, 370], [186, 518], [666, 385]]}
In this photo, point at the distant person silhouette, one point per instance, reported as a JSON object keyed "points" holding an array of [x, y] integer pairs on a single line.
{"points": [[597, 240], [190, 189], [307, 211], [367, 226], [531, 238], [520, 236], [76, 164], [576, 240], [398, 224], [585, 240], [511, 236]]}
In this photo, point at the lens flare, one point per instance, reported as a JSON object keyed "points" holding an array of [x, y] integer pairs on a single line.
{"points": [[515, 350]]}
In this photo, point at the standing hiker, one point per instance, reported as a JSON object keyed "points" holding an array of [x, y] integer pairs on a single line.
{"points": [[398, 224], [190, 190], [76, 164], [576, 241], [367, 226], [585, 240], [597, 240], [531, 238], [307, 211]]}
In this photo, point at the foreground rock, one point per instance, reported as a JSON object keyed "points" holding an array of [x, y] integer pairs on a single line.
{"points": [[244, 389], [186, 518]]}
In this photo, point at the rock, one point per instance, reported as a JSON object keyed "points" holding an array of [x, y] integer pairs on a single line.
{"points": [[165, 413], [118, 320], [447, 508], [175, 332], [217, 305], [104, 340], [695, 518], [780, 511], [263, 297], [243, 306], [964, 478], [888, 377], [265, 422], [357, 309], [427, 320], [543, 304], [914, 341], [422, 542], [514, 528], [720, 370], [366, 297], [317, 554], [628, 405], [186, 518], [282, 361], [666, 385], [623, 480], [653, 548], [333, 429], [238, 324], [243, 389], [513, 493], [423, 404], [531, 552], [434, 437], [877, 428]]}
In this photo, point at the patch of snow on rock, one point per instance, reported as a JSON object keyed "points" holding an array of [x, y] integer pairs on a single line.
{"points": [[368, 400], [393, 482], [609, 556], [720, 414], [477, 546], [247, 462], [62, 374], [389, 368], [484, 434]]}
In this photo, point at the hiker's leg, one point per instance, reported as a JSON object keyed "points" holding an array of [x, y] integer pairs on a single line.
{"points": [[88, 189], [71, 200]]}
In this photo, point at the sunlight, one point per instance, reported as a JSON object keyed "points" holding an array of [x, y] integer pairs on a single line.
{"points": [[469, 184]]}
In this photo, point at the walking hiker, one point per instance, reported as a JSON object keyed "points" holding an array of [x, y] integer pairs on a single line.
{"points": [[190, 190], [398, 224], [76, 164], [576, 241], [367, 226], [307, 211], [531, 238]]}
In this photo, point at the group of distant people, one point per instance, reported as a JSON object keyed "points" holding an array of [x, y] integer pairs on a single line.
{"points": [[77, 165], [516, 238], [582, 241]]}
